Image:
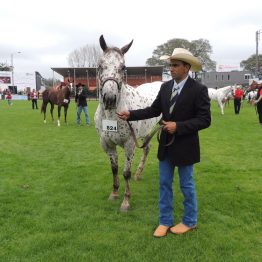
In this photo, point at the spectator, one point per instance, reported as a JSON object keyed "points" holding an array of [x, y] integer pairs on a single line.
{"points": [[9, 98], [34, 97], [238, 97], [81, 103]]}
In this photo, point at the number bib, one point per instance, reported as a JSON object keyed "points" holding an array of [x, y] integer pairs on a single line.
{"points": [[109, 125]]}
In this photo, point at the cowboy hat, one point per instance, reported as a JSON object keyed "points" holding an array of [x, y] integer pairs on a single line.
{"points": [[79, 84], [185, 56]]}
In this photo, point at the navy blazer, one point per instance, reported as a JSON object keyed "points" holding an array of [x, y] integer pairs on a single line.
{"points": [[191, 114]]}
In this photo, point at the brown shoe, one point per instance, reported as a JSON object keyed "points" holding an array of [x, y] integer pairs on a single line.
{"points": [[181, 229], [161, 231]]}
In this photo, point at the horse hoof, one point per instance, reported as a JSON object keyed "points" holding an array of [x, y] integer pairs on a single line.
{"points": [[124, 208], [113, 196], [44, 121], [138, 178]]}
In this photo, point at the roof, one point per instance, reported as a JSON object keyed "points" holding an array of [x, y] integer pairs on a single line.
{"points": [[91, 71]]}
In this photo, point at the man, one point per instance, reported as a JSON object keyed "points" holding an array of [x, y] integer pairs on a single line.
{"points": [[185, 108], [34, 97], [238, 97], [258, 102], [80, 100]]}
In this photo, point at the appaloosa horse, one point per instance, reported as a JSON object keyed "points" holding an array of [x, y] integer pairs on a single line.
{"points": [[116, 96], [58, 95]]}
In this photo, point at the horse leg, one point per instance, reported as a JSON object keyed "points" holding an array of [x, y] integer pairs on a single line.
{"points": [[140, 168], [59, 114], [43, 109], [129, 153], [65, 113], [112, 154], [221, 107], [51, 112]]}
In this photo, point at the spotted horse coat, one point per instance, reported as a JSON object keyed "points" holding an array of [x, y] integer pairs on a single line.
{"points": [[116, 96]]}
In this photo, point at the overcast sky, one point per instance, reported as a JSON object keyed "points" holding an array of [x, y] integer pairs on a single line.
{"points": [[45, 32]]}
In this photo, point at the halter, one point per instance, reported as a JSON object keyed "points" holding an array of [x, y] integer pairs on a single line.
{"points": [[114, 80]]}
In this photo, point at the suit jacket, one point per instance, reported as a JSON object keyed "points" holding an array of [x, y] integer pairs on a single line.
{"points": [[191, 114], [80, 98]]}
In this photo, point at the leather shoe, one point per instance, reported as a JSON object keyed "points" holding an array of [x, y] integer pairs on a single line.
{"points": [[161, 231], [181, 229]]}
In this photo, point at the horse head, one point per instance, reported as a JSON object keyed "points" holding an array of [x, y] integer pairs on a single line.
{"points": [[111, 70]]}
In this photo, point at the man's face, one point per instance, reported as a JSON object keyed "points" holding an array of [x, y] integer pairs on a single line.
{"points": [[178, 70]]}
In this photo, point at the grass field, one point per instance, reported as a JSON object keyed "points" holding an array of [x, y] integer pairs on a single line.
{"points": [[54, 185]]}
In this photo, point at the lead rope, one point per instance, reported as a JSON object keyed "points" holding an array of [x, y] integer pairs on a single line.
{"points": [[148, 137]]}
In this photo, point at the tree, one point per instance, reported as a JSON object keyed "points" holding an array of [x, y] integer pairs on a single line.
{"points": [[200, 48], [5, 67], [250, 64], [86, 56], [50, 82]]}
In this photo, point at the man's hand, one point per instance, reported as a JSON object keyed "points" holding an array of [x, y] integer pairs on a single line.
{"points": [[169, 126], [124, 115]]}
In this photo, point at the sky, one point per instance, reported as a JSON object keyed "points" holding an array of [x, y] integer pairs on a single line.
{"points": [[46, 32]]}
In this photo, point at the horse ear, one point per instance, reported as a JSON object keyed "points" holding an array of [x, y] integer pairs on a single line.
{"points": [[102, 43], [125, 48]]}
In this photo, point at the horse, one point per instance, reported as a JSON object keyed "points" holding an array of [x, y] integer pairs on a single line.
{"points": [[115, 96], [58, 95], [251, 96], [220, 95]]}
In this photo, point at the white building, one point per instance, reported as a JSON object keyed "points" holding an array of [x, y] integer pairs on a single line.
{"points": [[23, 82]]}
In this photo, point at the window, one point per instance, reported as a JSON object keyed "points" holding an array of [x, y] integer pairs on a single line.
{"points": [[247, 76]]}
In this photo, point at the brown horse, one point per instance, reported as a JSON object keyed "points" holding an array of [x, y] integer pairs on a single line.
{"points": [[58, 95]]}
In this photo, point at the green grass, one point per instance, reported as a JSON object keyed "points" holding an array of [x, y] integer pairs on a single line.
{"points": [[54, 185]]}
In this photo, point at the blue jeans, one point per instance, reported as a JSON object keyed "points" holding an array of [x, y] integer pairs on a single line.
{"points": [[187, 186], [79, 110]]}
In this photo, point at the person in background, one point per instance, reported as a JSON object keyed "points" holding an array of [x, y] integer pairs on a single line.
{"points": [[34, 98], [9, 97], [238, 97], [258, 103], [80, 99], [185, 108]]}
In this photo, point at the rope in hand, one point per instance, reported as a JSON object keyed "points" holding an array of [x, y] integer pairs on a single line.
{"points": [[157, 129]]}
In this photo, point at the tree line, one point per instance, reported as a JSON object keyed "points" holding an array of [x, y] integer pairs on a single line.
{"points": [[89, 55]]}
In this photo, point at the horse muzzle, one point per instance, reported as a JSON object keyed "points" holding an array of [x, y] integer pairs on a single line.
{"points": [[109, 102]]}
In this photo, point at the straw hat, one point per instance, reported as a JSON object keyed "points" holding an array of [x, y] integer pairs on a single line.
{"points": [[185, 56]]}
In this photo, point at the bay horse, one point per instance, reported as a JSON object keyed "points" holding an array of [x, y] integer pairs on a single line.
{"points": [[58, 95], [116, 96]]}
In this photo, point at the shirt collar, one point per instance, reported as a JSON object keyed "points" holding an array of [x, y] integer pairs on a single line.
{"points": [[180, 85]]}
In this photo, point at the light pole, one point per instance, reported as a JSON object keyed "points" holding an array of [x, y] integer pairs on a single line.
{"points": [[257, 60], [12, 67], [87, 79]]}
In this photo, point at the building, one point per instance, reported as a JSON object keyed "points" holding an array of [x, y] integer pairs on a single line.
{"points": [[221, 79], [134, 76], [23, 82]]}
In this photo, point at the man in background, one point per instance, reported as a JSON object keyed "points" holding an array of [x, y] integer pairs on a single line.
{"points": [[238, 97], [80, 99]]}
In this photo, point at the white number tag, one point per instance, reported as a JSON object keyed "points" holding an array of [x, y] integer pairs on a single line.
{"points": [[109, 125], [66, 101]]}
